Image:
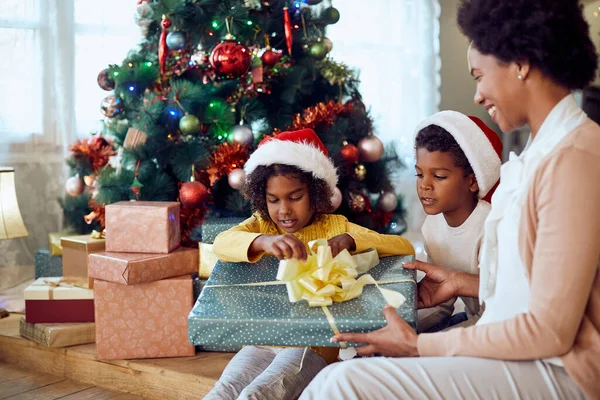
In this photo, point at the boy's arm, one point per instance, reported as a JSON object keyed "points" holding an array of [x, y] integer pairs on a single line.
{"points": [[386, 245], [233, 245]]}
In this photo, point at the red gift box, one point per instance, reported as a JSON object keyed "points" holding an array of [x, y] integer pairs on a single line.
{"points": [[49, 300]]}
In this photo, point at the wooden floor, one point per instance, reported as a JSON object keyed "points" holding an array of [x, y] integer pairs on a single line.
{"points": [[19, 384], [76, 370]]}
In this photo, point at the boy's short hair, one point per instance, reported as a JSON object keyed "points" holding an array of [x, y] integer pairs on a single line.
{"points": [[255, 189], [435, 138]]}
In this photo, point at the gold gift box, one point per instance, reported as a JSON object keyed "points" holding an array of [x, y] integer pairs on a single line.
{"points": [[76, 250]]}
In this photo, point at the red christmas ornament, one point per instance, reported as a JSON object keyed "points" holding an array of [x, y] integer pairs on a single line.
{"points": [[270, 57], [287, 28], [193, 194], [162, 44], [230, 59], [350, 153]]}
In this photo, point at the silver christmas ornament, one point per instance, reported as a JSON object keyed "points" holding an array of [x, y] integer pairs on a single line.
{"points": [[236, 178], [74, 186], [388, 201], [370, 148], [176, 40], [336, 199], [242, 134]]}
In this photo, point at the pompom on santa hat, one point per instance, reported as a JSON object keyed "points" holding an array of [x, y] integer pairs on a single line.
{"points": [[302, 149], [481, 145]]}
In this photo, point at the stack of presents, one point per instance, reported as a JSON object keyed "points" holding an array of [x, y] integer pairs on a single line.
{"points": [[137, 293]]}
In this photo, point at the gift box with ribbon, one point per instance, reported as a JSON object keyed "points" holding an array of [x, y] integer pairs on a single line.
{"points": [[133, 268], [58, 335], [148, 320], [76, 250], [301, 303], [59, 299], [142, 226], [46, 264]]}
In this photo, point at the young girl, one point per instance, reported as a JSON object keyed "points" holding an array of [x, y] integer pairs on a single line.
{"points": [[458, 168], [289, 182]]}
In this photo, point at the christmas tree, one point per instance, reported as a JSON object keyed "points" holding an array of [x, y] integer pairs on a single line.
{"points": [[209, 79]]}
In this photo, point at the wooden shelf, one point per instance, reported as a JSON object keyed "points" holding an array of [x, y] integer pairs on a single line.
{"points": [[160, 378]]}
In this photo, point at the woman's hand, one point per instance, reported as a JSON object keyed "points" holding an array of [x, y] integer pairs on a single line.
{"points": [[341, 242], [438, 285], [281, 246], [397, 339]]}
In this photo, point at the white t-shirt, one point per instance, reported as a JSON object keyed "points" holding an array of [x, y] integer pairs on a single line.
{"points": [[457, 248]]}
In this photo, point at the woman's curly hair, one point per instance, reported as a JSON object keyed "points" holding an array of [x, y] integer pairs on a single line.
{"points": [[255, 189], [551, 35]]}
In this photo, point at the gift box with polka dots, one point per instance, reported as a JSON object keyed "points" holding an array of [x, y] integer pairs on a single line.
{"points": [[232, 316]]}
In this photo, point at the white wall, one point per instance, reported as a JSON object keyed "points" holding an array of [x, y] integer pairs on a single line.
{"points": [[458, 88], [590, 7]]}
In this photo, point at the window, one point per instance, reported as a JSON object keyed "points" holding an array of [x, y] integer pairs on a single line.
{"points": [[51, 52], [20, 67]]}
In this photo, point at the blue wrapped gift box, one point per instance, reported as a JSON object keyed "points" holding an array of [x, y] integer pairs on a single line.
{"points": [[232, 316], [211, 227], [47, 265]]}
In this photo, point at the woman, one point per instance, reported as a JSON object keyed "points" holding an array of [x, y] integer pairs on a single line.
{"points": [[539, 335]]}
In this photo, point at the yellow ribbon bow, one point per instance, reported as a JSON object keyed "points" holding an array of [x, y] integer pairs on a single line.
{"points": [[323, 279], [99, 235]]}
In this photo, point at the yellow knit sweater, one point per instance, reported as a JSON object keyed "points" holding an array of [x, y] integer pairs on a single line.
{"points": [[233, 244]]}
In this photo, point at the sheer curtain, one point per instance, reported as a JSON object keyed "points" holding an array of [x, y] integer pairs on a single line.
{"points": [[395, 46], [52, 51]]}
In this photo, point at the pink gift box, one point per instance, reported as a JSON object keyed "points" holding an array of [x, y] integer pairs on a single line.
{"points": [[142, 227], [148, 320], [134, 268]]}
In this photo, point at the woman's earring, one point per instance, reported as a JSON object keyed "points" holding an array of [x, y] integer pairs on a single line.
{"points": [[520, 77]]}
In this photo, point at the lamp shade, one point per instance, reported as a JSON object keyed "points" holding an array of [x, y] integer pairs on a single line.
{"points": [[11, 222]]}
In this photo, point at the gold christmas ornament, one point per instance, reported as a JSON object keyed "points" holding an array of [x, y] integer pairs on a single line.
{"points": [[360, 171]]}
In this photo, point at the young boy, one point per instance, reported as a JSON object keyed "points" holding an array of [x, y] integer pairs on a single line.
{"points": [[458, 168]]}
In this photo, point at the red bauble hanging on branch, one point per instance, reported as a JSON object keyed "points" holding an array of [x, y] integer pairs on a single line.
{"points": [[230, 59], [270, 57], [193, 194], [350, 153], [287, 29]]}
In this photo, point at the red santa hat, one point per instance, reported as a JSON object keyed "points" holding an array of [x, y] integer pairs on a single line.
{"points": [[302, 149], [481, 145]]}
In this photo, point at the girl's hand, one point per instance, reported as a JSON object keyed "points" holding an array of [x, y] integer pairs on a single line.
{"points": [[397, 339], [341, 242], [282, 246], [438, 285]]}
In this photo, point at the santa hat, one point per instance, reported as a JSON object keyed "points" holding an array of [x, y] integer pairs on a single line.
{"points": [[481, 145], [302, 149]]}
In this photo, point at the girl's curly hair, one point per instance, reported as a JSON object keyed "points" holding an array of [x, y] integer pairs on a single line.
{"points": [[255, 189]]}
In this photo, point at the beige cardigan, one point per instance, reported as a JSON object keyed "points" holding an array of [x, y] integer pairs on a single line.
{"points": [[559, 242]]}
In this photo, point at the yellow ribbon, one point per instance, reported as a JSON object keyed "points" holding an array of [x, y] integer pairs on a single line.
{"points": [[323, 279], [99, 235]]}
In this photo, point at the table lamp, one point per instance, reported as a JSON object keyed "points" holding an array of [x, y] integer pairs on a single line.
{"points": [[11, 222]]}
